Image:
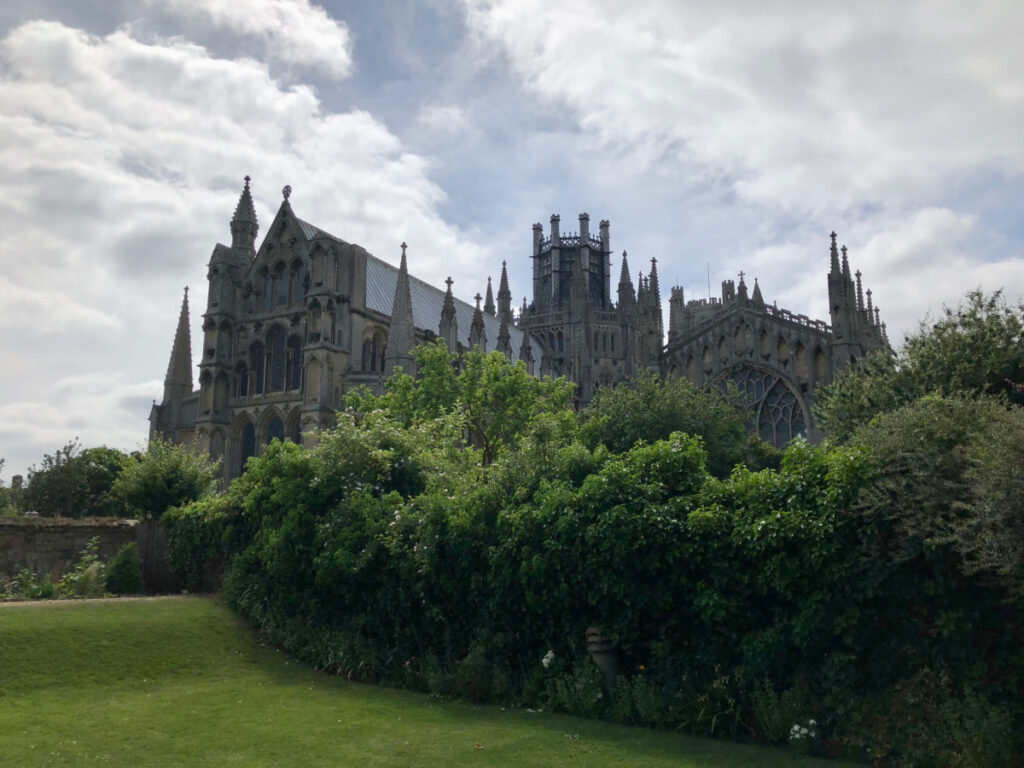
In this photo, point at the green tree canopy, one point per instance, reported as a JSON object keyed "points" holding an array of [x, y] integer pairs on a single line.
{"points": [[165, 476], [650, 408], [497, 399], [76, 483], [975, 350]]}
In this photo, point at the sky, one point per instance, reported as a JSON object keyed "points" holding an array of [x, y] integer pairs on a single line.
{"points": [[715, 137]]}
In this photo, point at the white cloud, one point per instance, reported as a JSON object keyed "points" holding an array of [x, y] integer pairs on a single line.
{"points": [[120, 166], [805, 106], [294, 31]]}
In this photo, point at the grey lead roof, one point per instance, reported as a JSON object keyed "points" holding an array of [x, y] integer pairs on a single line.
{"points": [[427, 301]]}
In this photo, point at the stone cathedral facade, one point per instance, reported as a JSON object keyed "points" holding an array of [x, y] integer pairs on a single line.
{"points": [[293, 325]]}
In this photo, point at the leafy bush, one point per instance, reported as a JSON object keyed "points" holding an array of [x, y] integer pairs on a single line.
{"points": [[75, 483], [124, 571], [740, 605], [167, 475]]}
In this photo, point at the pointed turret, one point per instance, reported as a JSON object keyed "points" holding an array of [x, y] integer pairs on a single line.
{"points": [[860, 292], [489, 301], [477, 333], [504, 297], [652, 284], [244, 225], [846, 264], [178, 382], [402, 333], [757, 298], [448, 329], [627, 296], [834, 255]]}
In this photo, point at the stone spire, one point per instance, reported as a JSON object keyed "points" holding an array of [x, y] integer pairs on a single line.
{"points": [[178, 382], [626, 294], [489, 301], [449, 326], [860, 292], [244, 225], [846, 264], [402, 333], [871, 309], [834, 254], [504, 296], [477, 333], [757, 298], [652, 283]]}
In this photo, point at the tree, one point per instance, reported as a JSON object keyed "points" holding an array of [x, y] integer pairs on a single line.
{"points": [[167, 475], [951, 473], [974, 350], [496, 398], [650, 408], [76, 483]]}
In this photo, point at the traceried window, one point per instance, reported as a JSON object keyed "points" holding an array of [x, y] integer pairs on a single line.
{"points": [[773, 407]]}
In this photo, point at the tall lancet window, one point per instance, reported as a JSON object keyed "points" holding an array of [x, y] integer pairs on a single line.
{"points": [[278, 358], [294, 363]]}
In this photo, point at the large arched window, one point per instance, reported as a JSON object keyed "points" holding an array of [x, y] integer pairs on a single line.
{"points": [[280, 285], [268, 289], [773, 406], [294, 363], [241, 380], [278, 358], [257, 363], [275, 430], [296, 288], [248, 445]]}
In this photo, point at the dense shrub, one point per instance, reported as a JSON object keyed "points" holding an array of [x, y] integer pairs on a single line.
{"points": [[124, 571], [167, 475], [76, 483], [822, 603]]}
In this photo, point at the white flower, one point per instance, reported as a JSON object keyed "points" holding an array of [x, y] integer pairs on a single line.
{"points": [[548, 658]]}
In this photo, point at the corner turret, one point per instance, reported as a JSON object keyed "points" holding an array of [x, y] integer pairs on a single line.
{"points": [[402, 333], [244, 225]]}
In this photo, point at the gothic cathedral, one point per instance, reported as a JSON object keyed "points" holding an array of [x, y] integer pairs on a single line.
{"points": [[290, 327]]}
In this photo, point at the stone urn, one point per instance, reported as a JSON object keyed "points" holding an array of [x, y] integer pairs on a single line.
{"points": [[605, 655]]}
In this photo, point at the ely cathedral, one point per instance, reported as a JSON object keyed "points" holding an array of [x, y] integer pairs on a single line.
{"points": [[292, 326]]}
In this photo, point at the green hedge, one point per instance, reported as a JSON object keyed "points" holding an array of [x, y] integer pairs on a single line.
{"points": [[775, 605]]}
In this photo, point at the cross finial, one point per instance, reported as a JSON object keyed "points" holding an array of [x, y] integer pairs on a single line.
{"points": [[247, 180], [478, 298], [404, 246], [186, 291], [449, 282], [287, 191], [843, 249], [833, 236], [742, 273], [857, 273]]}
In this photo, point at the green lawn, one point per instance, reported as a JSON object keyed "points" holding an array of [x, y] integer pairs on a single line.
{"points": [[182, 682]]}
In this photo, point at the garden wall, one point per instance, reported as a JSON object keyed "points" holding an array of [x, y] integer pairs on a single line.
{"points": [[52, 545]]}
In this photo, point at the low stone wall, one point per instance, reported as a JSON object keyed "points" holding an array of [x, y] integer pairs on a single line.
{"points": [[52, 545]]}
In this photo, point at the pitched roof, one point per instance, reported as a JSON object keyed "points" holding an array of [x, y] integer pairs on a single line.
{"points": [[427, 301]]}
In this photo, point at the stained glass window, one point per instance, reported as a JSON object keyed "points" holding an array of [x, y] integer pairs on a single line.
{"points": [[774, 409]]}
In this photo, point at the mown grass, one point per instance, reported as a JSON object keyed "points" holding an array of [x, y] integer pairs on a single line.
{"points": [[182, 682]]}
